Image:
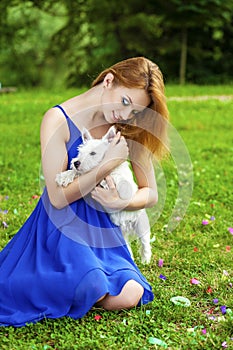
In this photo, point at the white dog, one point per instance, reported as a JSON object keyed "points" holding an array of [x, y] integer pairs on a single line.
{"points": [[132, 223]]}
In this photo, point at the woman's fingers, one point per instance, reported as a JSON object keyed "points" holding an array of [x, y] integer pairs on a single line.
{"points": [[110, 182], [117, 151], [116, 138]]}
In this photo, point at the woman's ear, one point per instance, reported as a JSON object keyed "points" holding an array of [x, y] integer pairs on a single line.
{"points": [[108, 80]]}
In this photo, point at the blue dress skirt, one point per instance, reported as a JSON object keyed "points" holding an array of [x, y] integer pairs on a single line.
{"points": [[63, 260]]}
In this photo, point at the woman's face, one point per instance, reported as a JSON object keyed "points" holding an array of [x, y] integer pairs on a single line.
{"points": [[120, 103]]}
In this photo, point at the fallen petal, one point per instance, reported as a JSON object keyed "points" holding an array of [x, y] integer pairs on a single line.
{"points": [[223, 309], [162, 277], [156, 341], [181, 301], [4, 224], [216, 245], [205, 222], [97, 317], [160, 263], [191, 330], [225, 273], [194, 281]]}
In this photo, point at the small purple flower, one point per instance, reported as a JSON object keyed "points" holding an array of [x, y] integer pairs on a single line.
{"points": [[212, 218], [4, 211], [160, 263], [215, 301], [230, 229], [223, 309], [212, 318], [224, 344], [205, 222], [162, 277], [4, 224], [194, 281]]}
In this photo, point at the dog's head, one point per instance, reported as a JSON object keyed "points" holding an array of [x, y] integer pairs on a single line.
{"points": [[91, 151]]}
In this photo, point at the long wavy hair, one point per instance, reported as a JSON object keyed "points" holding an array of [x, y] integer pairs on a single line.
{"points": [[149, 127]]}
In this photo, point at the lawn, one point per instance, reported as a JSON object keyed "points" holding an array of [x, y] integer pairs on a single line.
{"points": [[195, 258]]}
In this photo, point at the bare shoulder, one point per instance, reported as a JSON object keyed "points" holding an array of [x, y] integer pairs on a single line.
{"points": [[54, 120], [53, 117]]}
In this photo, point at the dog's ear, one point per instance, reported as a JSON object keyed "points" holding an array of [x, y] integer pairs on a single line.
{"points": [[86, 135], [110, 134]]}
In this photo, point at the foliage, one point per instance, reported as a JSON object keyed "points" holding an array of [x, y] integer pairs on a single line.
{"points": [[193, 19], [44, 43], [191, 251], [25, 59]]}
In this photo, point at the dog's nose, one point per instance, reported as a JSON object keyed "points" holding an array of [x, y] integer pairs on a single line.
{"points": [[76, 164]]}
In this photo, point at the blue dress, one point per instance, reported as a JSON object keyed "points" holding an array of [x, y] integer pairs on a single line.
{"points": [[63, 260]]}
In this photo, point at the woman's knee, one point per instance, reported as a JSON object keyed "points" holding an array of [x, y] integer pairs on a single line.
{"points": [[129, 297], [132, 292]]}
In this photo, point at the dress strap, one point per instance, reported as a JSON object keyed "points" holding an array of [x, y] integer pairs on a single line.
{"points": [[63, 111]]}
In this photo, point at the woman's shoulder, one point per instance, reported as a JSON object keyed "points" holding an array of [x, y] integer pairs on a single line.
{"points": [[54, 119]]}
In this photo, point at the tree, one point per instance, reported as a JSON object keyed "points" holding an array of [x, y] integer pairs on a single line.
{"points": [[97, 35], [25, 38], [183, 16], [79, 38]]}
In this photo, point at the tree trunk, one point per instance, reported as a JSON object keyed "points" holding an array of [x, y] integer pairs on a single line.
{"points": [[183, 55]]}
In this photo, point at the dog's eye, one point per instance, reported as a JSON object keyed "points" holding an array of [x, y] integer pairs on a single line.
{"points": [[92, 153]]}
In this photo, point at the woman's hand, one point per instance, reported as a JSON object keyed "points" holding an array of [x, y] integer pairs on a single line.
{"points": [[117, 152], [109, 198]]}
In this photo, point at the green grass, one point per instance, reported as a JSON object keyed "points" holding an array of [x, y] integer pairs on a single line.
{"points": [[192, 250], [197, 90]]}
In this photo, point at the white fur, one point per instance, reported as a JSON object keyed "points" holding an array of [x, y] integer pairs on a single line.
{"points": [[133, 223]]}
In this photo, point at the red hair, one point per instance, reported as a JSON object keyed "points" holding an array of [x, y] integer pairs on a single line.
{"points": [[149, 128]]}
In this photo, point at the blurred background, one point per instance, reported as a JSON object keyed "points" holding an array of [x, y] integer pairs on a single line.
{"points": [[68, 42]]}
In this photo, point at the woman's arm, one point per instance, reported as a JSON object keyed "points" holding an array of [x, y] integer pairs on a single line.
{"points": [[54, 135], [147, 194], [145, 197]]}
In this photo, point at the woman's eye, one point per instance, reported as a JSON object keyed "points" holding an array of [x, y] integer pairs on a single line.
{"points": [[125, 101], [92, 153]]}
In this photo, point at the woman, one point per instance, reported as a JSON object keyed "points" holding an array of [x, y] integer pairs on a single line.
{"points": [[69, 256]]}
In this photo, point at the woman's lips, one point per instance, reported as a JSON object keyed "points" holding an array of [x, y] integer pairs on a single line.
{"points": [[115, 118]]}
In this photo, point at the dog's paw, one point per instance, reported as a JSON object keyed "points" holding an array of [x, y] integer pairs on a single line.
{"points": [[124, 189], [146, 255], [58, 179], [65, 178]]}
